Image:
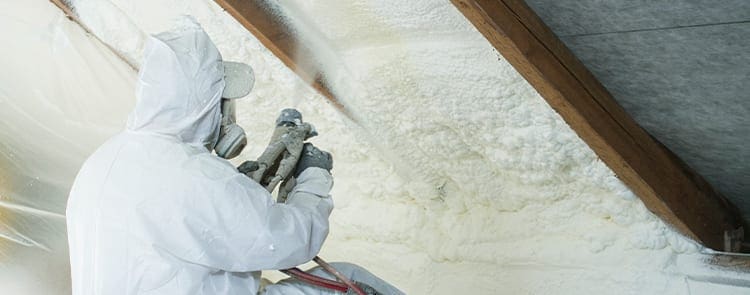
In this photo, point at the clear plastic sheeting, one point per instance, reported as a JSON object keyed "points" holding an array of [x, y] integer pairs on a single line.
{"points": [[58, 102]]}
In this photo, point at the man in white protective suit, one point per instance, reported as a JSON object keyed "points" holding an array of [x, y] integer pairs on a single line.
{"points": [[153, 211]]}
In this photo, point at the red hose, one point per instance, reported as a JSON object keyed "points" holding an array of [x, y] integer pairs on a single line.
{"points": [[316, 280], [330, 269]]}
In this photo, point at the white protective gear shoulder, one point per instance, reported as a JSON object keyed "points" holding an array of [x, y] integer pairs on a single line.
{"points": [[153, 212]]}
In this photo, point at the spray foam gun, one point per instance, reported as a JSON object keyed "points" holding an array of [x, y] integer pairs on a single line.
{"points": [[277, 162], [276, 166]]}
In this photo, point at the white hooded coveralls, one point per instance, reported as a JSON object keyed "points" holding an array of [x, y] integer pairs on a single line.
{"points": [[153, 212]]}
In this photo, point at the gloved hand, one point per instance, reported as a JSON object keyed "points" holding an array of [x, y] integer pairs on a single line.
{"points": [[247, 167], [313, 157], [279, 160]]}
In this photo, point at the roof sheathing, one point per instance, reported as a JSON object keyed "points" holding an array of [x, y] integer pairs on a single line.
{"points": [[679, 68]]}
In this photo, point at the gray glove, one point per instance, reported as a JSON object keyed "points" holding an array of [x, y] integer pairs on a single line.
{"points": [[247, 167], [313, 157]]}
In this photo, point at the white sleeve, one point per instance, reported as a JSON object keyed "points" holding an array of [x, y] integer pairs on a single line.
{"points": [[298, 228], [238, 227], [313, 187]]}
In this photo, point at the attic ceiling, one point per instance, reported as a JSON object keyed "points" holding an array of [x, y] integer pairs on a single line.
{"points": [[679, 68]]}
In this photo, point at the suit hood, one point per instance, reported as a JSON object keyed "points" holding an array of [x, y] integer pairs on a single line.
{"points": [[179, 86]]}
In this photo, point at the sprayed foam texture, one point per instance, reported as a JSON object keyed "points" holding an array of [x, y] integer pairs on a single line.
{"points": [[456, 177]]}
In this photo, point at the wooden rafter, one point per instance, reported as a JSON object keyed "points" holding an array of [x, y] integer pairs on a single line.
{"points": [[276, 35], [666, 185]]}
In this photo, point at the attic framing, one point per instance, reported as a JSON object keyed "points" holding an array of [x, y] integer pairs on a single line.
{"points": [[667, 186]]}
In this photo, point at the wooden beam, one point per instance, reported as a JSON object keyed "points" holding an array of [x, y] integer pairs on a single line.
{"points": [[666, 185], [276, 35]]}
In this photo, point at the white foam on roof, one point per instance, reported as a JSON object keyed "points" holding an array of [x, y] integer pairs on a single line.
{"points": [[457, 176]]}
